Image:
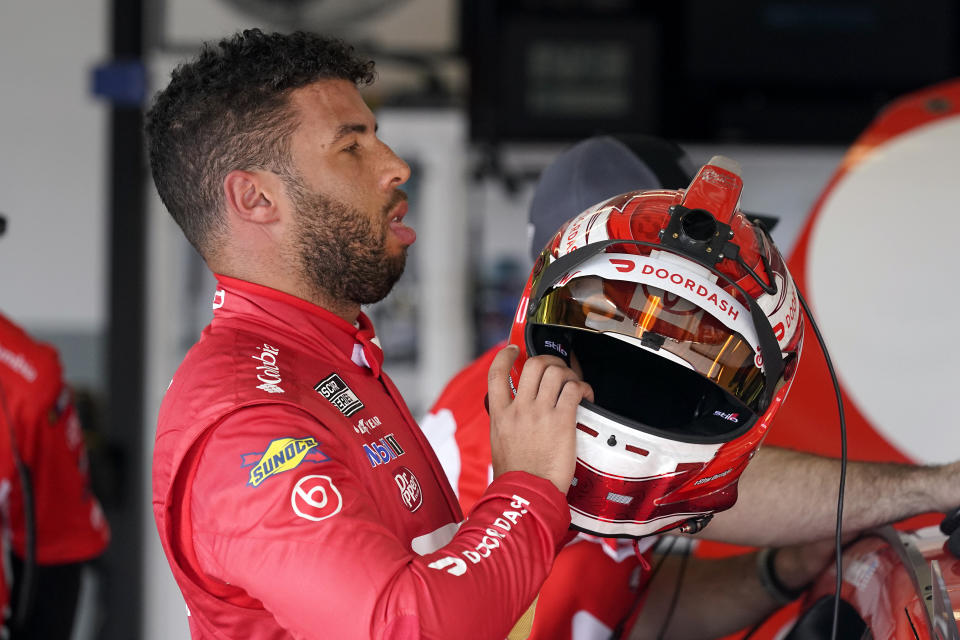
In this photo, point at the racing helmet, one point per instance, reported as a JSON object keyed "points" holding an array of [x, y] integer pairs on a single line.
{"points": [[681, 315]]}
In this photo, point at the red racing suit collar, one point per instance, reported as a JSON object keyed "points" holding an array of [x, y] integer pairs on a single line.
{"points": [[241, 299]]}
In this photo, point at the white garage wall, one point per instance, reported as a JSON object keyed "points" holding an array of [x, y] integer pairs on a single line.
{"points": [[52, 165]]}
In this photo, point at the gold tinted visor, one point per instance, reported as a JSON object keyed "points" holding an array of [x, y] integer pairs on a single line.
{"points": [[664, 322]]}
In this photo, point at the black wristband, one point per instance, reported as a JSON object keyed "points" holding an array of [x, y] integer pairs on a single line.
{"points": [[768, 578]]}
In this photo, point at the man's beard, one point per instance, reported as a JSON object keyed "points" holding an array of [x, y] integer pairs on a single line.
{"points": [[341, 251]]}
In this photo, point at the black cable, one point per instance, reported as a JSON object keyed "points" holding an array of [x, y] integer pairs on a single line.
{"points": [[843, 479], [25, 587], [752, 630], [676, 591], [843, 466], [617, 633]]}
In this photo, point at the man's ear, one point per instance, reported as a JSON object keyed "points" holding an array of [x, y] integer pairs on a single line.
{"points": [[252, 196]]}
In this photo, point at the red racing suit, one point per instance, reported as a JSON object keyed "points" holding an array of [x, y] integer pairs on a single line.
{"points": [[38, 424], [595, 582], [295, 496]]}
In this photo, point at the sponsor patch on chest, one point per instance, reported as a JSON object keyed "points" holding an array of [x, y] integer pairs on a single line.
{"points": [[337, 393], [409, 486], [383, 450], [268, 371], [282, 454], [366, 425]]}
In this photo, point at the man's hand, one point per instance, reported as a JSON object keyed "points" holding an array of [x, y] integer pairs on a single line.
{"points": [[535, 431]]}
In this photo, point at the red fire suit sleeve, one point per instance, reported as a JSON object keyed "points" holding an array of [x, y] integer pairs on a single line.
{"points": [[320, 545], [70, 526]]}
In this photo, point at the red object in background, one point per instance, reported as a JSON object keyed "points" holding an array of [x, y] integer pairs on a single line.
{"points": [[898, 585], [39, 428], [809, 418]]}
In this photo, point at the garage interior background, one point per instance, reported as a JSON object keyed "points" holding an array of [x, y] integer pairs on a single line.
{"points": [[478, 95]]}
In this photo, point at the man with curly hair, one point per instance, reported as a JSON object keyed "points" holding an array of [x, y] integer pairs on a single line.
{"points": [[294, 494]]}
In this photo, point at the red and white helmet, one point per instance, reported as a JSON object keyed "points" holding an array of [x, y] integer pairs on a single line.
{"points": [[683, 318]]}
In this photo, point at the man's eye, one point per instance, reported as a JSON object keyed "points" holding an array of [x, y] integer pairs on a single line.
{"points": [[352, 148]]}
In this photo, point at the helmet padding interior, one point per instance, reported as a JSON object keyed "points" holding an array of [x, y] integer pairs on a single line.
{"points": [[646, 389]]}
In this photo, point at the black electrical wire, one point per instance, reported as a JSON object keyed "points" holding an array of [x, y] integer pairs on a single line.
{"points": [[676, 591], [843, 466], [752, 630], [843, 480], [617, 633]]}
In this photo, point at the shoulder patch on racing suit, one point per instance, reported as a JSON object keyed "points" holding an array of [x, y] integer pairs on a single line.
{"points": [[282, 454]]}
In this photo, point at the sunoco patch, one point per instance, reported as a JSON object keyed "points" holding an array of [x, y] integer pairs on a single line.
{"points": [[336, 391], [282, 454]]}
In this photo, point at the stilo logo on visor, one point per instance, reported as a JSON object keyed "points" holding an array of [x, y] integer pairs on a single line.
{"points": [[667, 302]]}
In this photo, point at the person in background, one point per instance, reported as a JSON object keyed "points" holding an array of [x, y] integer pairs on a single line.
{"points": [[294, 494], [786, 498], [51, 521]]}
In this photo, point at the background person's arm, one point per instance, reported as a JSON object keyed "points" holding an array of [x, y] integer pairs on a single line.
{"points": [[787, 497], [718, 596]]}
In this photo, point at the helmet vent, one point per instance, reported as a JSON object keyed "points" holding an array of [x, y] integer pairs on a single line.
{"points": [[637, 450], [619, 498], [588, 430]]}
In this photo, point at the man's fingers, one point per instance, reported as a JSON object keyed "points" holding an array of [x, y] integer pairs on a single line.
{"points": [[552, 382], [531, 378], [572, 393], [529, 433], [498, 389], [543, 380]]}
